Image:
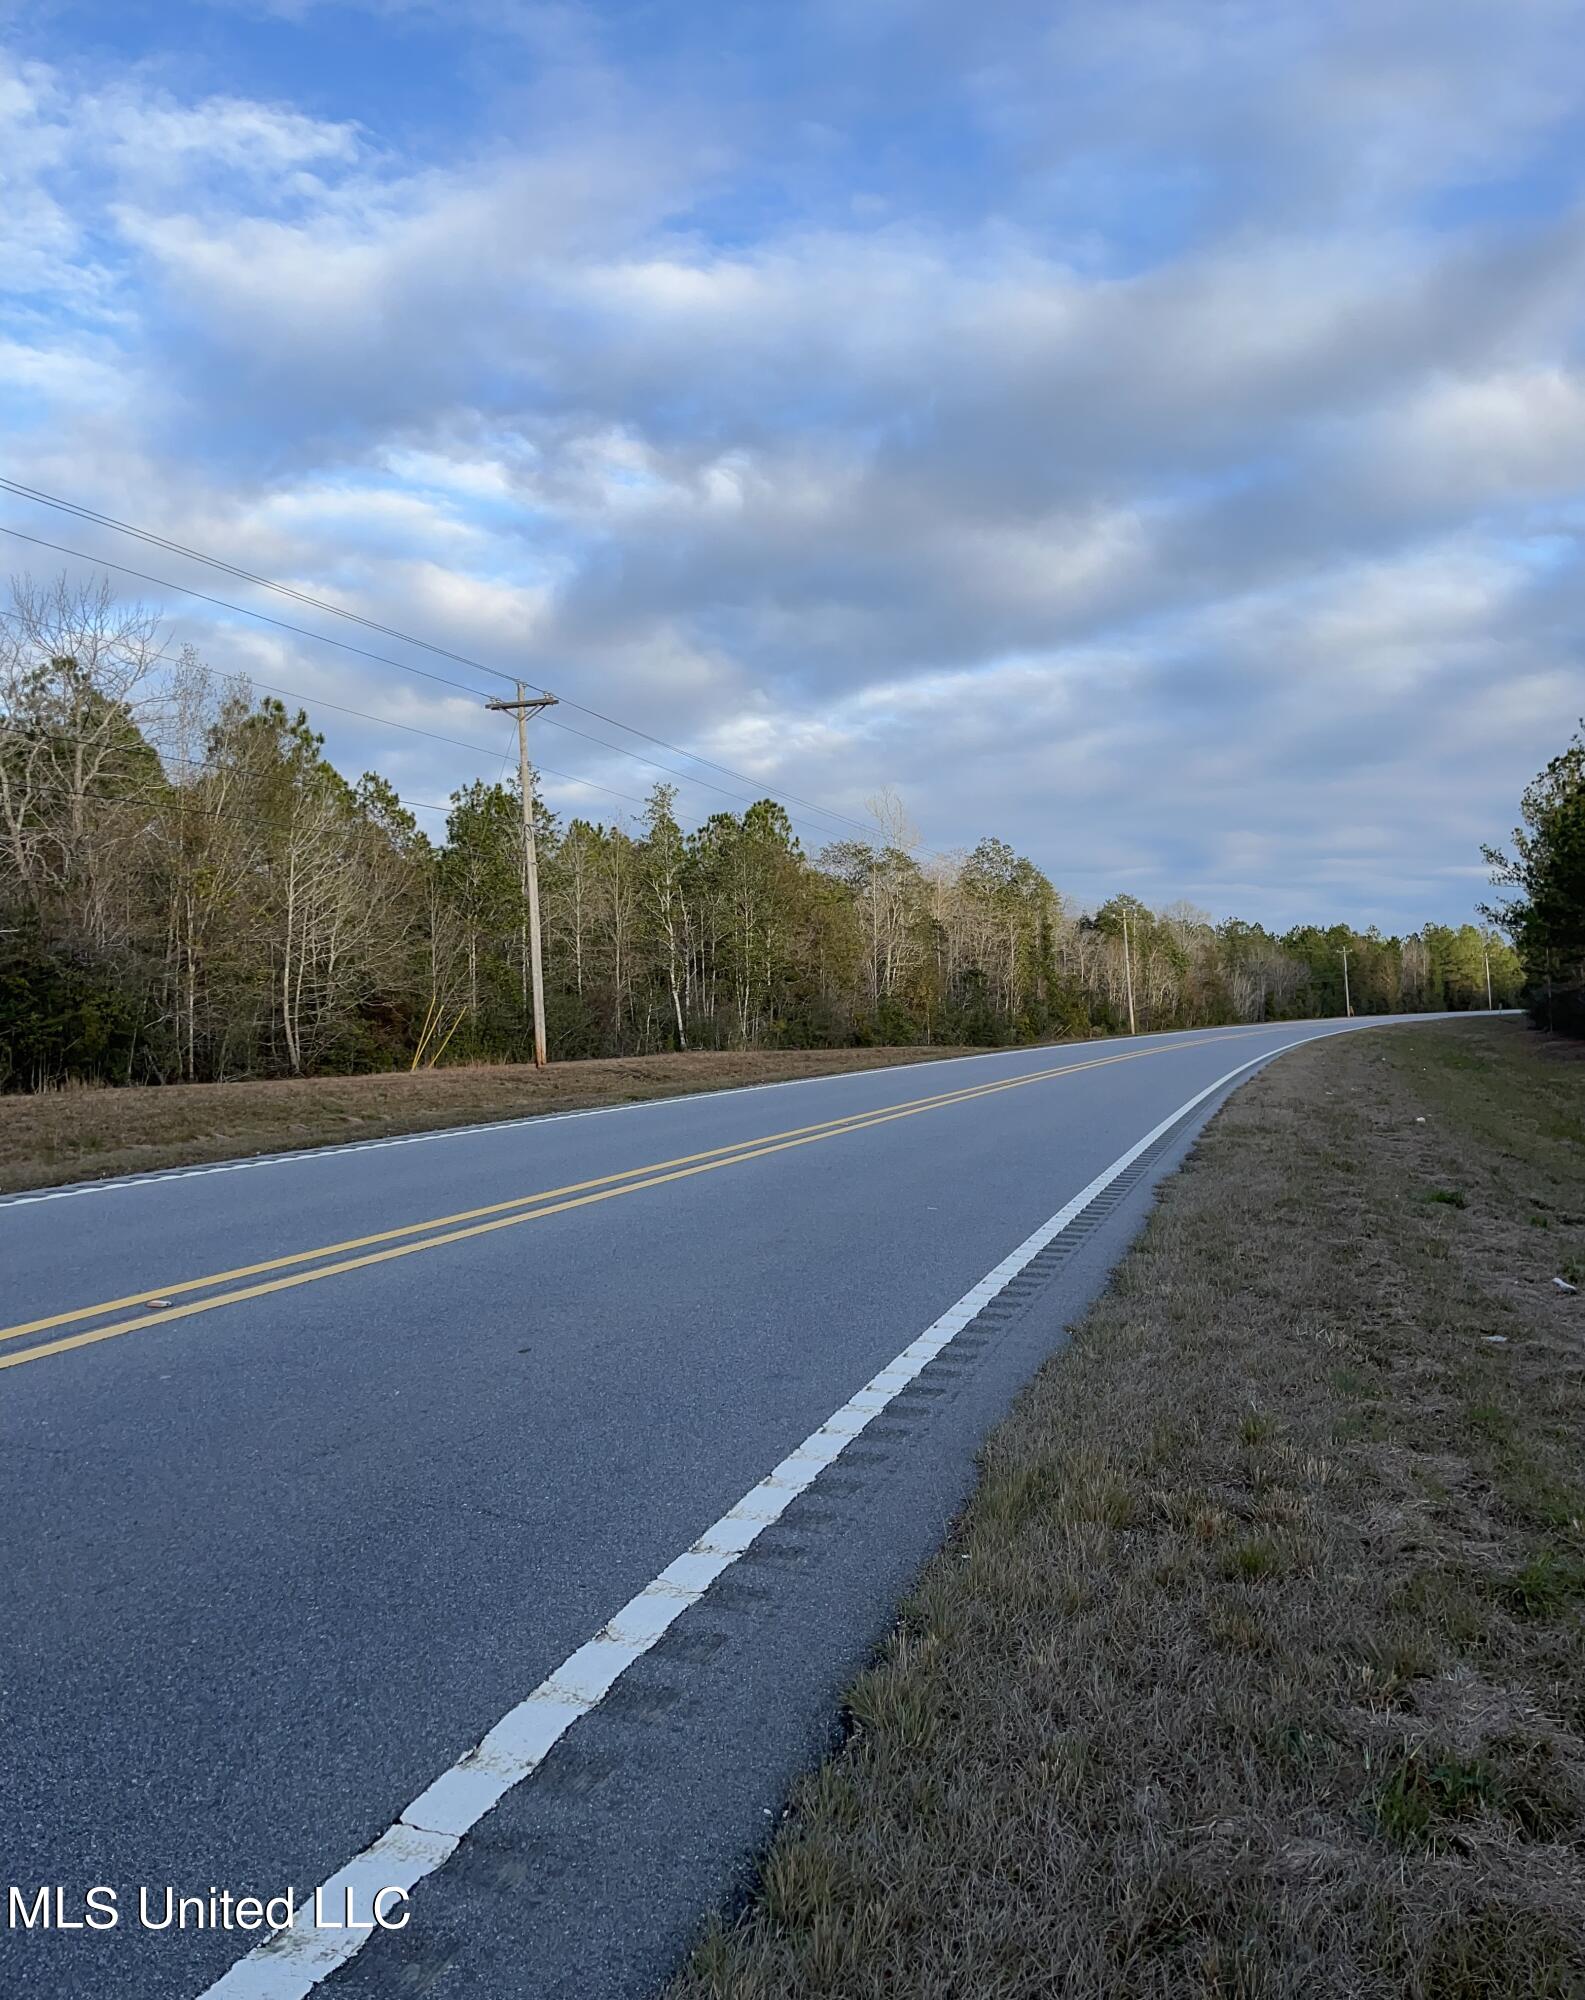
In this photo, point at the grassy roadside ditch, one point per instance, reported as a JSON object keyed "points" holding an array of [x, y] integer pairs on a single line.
{"points": [[78, 1134], [1257, 1664]]}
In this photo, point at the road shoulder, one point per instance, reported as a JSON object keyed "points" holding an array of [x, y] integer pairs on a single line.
{"points": [[1256, 1661], [56, 1138]]}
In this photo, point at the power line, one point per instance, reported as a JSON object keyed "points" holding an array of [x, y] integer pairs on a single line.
{"points": [[403, 666], [684, 777], [40, 498], [320, 701], [455, 742], [548, 770], [232, 569], [242, 610], [480, 749]]}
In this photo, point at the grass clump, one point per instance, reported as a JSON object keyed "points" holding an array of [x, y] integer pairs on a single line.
{"points": [[1547, 1586], [1424, 1793]]}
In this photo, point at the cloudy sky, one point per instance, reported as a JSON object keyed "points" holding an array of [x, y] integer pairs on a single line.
{"points": [[1149, 430]]}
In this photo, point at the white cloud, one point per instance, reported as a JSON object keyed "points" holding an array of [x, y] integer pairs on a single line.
{"points": [[1477, 440], [1195, 469], [155, 139]]}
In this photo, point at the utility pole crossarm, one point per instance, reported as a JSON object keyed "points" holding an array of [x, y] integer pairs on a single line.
{"points": [[523, 707]]}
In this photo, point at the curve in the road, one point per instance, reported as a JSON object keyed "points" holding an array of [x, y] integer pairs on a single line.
{"points": [[440, 1230], [348, 1548], [428, 1832]]}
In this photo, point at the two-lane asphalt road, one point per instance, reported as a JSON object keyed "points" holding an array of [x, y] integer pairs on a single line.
{"points": [[609, 1440]]}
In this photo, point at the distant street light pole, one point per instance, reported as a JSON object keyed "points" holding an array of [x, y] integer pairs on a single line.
{"points": [[524, 706], [1485, 952], [1348, 1005]]}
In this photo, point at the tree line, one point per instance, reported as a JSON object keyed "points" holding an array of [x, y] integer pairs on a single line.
{"points": [[189, 890], [1545, 916]]}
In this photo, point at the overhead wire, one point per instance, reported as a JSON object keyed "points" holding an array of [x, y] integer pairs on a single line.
{"points": [[455, 742], [242, 610], [43, 499], [402, 666], [390, 722]]}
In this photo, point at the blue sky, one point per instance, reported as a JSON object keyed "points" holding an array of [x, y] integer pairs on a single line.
{"points": [[1152, 433]]}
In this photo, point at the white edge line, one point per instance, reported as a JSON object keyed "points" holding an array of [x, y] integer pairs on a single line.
{"points": [[155, 1178], [292, 1962]]}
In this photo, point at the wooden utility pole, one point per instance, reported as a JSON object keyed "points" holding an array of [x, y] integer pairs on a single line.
{"points": [[1348, 1005], [525, 706], [1128, 974]]}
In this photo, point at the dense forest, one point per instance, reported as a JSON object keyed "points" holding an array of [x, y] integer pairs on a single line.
{"points": [[190, 890]]}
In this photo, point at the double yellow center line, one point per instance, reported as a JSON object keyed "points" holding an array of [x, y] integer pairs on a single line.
{"points": [[471, 1222]]}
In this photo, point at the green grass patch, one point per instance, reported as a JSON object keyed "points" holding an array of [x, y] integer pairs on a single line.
{"points": [[1547, 1586], [1425, 1792]]}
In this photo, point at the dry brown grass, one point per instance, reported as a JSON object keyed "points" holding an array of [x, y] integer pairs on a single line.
{"points": [[86, 1134], [1257, 1665]]}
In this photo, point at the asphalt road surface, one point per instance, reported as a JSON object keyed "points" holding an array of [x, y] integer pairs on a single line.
{"points": [[319, 1470]]}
